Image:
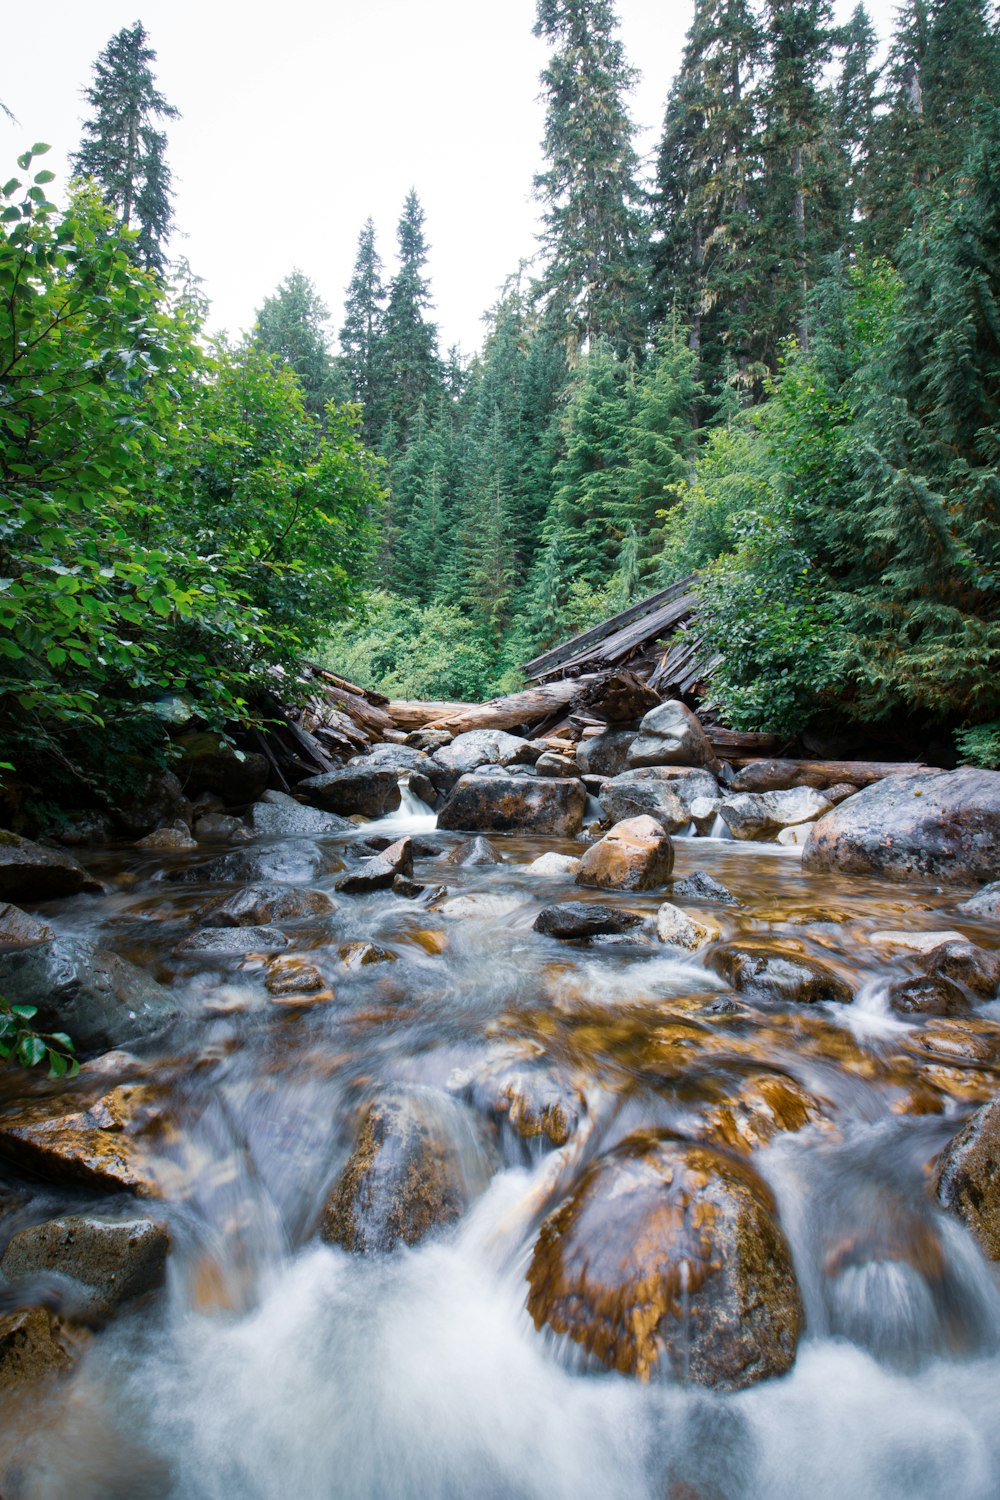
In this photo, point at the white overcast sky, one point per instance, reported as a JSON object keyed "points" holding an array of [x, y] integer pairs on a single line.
{"points": [[300, 119]]}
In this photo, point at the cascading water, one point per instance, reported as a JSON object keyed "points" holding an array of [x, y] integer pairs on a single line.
{"points": [[274, 1365]]}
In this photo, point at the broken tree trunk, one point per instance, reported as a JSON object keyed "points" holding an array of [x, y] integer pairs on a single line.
{"points": [[517, 710], [614, 698], [857, 773]]}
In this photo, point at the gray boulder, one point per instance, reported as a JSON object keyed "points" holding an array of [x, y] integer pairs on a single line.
{"points": [[258, 905], [110, 1260], [506, 804], [985, 904], [671, 735], [606, 754], [666, 793], [758, 815], [479, 747], [279, 815], [294, 863], [102, 1001], [381, 870], [213, 941], [572, 920], [370, 791], [30, 872]]}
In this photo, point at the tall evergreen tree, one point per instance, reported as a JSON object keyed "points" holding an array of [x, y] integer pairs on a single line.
{"points": [[290, 325], [123, 149], [410, 340], [362, 336], [423, 481], [857, 92], [594, 231], [659, 442]]}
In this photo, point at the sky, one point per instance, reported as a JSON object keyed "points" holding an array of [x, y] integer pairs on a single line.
{"points": [[300, 120]]}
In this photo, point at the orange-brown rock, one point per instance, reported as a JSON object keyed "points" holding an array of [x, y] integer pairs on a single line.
{"points": [[104, 1142], [637, 855], [31, 1348], [967, 1179], [669, 1260], [537, 1100], [293, 976], [360, 955], [762, 1106], [770, 971]]}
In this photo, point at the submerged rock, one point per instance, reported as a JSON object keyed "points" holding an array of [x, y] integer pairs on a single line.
{"points": [[18, 929], [296, 861], [414, 1168], [361, 955], [671, 735], [101, 1000], [30, 872], [537, 1100], [112, 1260], [927, 995], [584, 919], [762, 1106], [259, 905], [940, 825], [636, 855], [213, 942], [504, 804], [967, 1180], [771, 973], [370, 791], [288, 975], [669, 1260], [32, 1348]]}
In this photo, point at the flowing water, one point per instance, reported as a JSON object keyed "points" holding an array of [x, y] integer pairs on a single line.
{"points": [[275, 1367]]}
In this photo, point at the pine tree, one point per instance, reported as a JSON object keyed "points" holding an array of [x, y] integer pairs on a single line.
{"points": [[122, 148], [423, 481], [594, 230], [290, 325], [660, 440], [708, 180], [362, 336], [857, 94], [410, 340]]}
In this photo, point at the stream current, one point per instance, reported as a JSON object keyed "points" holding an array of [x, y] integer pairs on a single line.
{"points": [[275, 1367]]}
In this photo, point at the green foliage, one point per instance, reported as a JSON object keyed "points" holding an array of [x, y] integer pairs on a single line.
{"points": [[21, 1045], [980, 745], [290, 325], [409, 652]]}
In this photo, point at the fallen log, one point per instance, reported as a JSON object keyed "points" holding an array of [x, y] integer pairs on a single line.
{"points": [[409, 713], [515, 711], [613, 698], [857, 773]]}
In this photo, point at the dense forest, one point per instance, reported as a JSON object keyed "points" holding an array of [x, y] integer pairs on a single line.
{"points": [[774, 358]]}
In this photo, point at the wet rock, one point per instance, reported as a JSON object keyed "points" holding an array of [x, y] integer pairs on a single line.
{"points": [[31, 1348], [259, 905], [758, 815], [552, 764], [927, 996], [554, 864], [966, 964], [370, 791], [671, 735], [293, 976], [18, 929], [967, 1181], [293, 862], [480, 747], [636, 855], [221, 828], [30, 872], [154, 799], [665, 793], [538, 1101], [101, 1000], [379, 872], [477, 851], [914, 942], [985, 904], [401, 759], [669, 1258], [704, 811], [679, 930], [86, 828], [702, 887], [212, 942], [584, 919], [770, 973], [277, 815], [484, 904], [412, 1172], [505, 804], [208, 763], [941, 825], [167, 839], [423, 787], [775, 776], [606, 754], [362, 955], [379, 843], [402, 885], [102, 1142], [762, 1106], [112, 1260]]}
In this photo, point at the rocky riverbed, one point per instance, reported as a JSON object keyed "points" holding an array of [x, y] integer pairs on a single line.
{"points": [[487, 1119]]}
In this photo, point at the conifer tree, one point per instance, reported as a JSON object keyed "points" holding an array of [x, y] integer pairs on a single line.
{"points": [[659, 442], [122, 148], [857, 93], [290, 325], [409, 346], [423, 484], [594, 230], [362, 336]]}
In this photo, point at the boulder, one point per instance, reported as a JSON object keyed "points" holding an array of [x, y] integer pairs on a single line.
{"points": [[966, 964], [368, 791], [584, 919], [478, 851], [760, 1107], [112, 1260], [379, 872], [153, 799], [18, 929], [927, 996], [100, 1143], [775, 776], [679, 930], [554, 864], [362, 955], [277, 815], [702, 887], [966, 1178], [285, 976], [422, 787], [984, 905], [939, 825], [101, 1000], [552, 764], [480, 747], [665, 793], [669, 1259], [537, 1100], [636, 855], [215, 942], [168, 839], [220, 828], [31, 1348], [767, 972], [292, 862], [400, 759], [606, 754], [258, 905], [413, 1170], [428, 739], [505, 804], [208, 763], [30, 872], [840, 791], [758, 815], [671, 735]]}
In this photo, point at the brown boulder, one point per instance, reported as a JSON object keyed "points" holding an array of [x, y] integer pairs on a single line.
{"points": [[636, 855], [31, 1348], [927, 995], [101, 1143], [965, 963], [967, 1178], [505, 804], [111, 1260], [767, 972], [669, 1258]]}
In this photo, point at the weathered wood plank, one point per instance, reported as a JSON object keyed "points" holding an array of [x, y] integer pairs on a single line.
{"points": [[580, 645]]}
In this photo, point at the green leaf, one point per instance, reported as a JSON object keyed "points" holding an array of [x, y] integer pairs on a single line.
{"points": [[40, 148], [31, 1050]]}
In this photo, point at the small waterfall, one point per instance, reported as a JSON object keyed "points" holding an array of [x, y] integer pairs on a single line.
{"points": [[412, 815]]}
